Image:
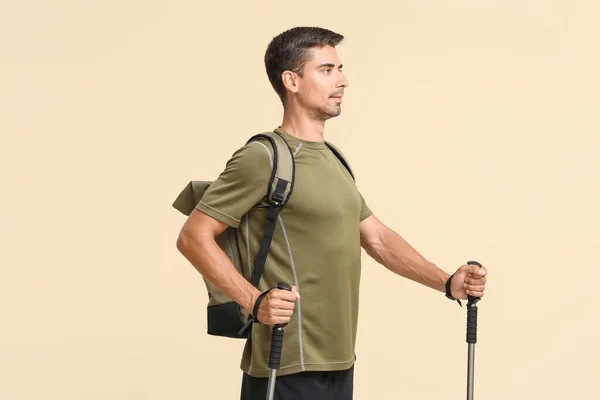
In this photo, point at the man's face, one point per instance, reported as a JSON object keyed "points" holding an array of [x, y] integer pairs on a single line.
{"points": [[322, 84]]}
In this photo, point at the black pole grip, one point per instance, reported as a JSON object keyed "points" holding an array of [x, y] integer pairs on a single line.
{"points": [[276, 346], [277, 338], [284, 286], [472, 324], [472, 314]]}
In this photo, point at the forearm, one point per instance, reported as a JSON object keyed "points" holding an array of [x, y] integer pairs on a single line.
{"points": [[392, 251], [210, 260]]}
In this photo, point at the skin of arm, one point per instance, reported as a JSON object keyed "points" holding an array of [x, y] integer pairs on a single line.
{"points": [[390, 250]]}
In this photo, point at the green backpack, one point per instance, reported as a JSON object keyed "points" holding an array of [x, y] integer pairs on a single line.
{"points": [[226, 317]]}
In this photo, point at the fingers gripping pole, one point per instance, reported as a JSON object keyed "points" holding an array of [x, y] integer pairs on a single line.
{"points": [[276, 348]]}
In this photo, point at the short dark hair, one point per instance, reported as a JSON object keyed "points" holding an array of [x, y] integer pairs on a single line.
{"points": [[290, 51]]}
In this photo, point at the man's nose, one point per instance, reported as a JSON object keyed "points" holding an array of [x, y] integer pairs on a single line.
{"points": [[342, 81]]}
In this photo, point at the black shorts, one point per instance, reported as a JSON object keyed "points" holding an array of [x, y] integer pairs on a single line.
{"points": [[308, 385]]}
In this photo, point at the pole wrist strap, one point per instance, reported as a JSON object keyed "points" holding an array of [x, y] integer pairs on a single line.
{"points": [[449, 291]]}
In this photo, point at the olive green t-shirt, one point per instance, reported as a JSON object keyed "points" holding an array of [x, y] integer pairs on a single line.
{"points": [[316, 247]]}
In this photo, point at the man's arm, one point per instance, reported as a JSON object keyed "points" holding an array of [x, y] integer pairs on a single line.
{"points": [[390, 250], [197, 243]]}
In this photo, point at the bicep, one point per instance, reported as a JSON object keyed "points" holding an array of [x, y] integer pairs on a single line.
{"points": [[371, 229], [199, 227]]}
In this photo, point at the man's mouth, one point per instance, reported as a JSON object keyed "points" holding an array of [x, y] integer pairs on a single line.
{"points": [[338, 95]]}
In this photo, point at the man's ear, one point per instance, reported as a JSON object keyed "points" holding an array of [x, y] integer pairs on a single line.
{"points": [[290, 81]]}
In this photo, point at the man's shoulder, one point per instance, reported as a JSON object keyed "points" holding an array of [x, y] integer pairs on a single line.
{"points": [[258, 151], [250, 162]]}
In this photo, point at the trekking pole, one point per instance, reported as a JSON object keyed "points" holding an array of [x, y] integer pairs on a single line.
{"points": [[276, 346], [471, 337]]}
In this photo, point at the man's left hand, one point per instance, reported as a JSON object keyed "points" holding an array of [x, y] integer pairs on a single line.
{"points": [[468, 280]]}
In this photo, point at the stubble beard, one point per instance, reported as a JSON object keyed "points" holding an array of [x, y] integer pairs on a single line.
{"points": [[325, 113]]}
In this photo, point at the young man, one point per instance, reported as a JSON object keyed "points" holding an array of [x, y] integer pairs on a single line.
{"points": [[317, 242]]}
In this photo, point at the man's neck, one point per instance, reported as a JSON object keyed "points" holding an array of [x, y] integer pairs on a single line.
{"points": [[303, 127]]}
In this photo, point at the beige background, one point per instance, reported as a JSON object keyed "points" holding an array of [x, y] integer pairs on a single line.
{"points": [[473, 129]]}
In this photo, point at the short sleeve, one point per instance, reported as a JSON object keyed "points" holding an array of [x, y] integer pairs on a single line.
{"points": [[365, 211], [242, 184]]}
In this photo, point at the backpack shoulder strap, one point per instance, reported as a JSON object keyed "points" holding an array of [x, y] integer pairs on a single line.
{"points": [[281, 184], [340, 157], [280, 189]]}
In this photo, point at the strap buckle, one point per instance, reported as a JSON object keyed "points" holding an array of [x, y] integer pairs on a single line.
{"points": [[277, 198]]}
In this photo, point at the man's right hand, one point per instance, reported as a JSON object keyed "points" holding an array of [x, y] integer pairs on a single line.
{"points": [[278, 306]]}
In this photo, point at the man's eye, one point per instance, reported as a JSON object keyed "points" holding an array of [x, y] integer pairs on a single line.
{"points": [[327, 70]]}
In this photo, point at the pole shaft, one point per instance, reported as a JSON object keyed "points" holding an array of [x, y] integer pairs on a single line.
{"points": [[471, 372], [271, 386]]}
